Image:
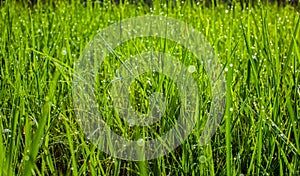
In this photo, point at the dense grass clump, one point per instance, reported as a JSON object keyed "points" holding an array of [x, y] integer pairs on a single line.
{"points": [[259, 51]]}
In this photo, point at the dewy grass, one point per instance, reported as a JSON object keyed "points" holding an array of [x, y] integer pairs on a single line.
{"points": [[259, 51]]}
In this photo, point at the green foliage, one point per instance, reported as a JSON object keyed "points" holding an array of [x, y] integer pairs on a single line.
{"points": [[258, 48]]}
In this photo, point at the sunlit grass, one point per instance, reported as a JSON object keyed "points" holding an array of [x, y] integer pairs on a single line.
{"points": [[258, 49]]}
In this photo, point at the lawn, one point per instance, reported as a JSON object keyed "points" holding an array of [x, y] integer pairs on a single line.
{"points": [[258, 50]]}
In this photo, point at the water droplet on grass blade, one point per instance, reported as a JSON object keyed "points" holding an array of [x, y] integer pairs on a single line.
{"points": [[64, 51], [191, 69], [202, 159], [131, 122], [26, 158], [140, 142], [6, 131]]}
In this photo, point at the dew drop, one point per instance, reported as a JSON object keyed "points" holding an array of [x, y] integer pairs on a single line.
{"points": [[131, 122], [26, 158], [6, 131], [64, 51], [202, 159], [140, 142], [191, 69]]}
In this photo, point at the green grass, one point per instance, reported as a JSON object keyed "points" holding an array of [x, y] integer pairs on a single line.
{"points": [[258, 49]]}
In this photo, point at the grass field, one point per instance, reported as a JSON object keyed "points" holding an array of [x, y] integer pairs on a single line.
{"points": [[259, 49]]}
